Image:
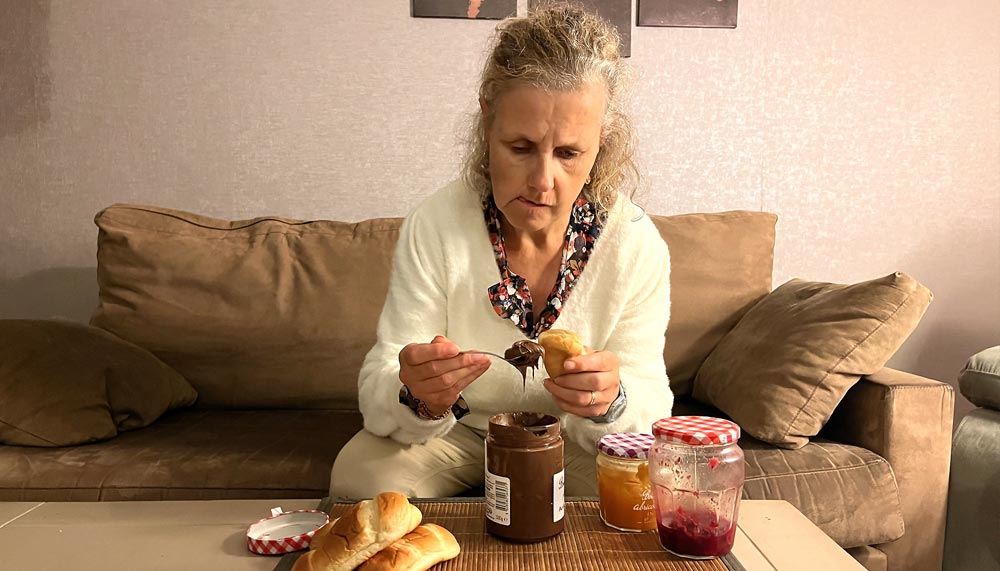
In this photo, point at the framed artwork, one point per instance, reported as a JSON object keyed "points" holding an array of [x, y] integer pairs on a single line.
{"points": [[688, 13], [464, 9], [618, 12]]}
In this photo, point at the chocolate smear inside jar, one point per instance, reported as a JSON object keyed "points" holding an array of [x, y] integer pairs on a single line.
{"points": [[522, 355]]}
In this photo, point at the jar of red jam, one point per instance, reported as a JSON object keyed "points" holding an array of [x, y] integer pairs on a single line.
{"points": [[696, 470], [623, 481]]}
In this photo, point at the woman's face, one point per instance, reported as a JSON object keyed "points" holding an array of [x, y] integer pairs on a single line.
{"points": [[542, 146]]}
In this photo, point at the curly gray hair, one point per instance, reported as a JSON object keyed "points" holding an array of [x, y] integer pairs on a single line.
{"points": [[561, 47]]}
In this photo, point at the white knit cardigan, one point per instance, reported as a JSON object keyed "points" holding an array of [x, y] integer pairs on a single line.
{"points": [[442, 268]]}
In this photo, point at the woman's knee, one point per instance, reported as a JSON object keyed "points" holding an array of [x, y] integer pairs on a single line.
{"points": [[363, 469], [369, 465], [581, 472]]}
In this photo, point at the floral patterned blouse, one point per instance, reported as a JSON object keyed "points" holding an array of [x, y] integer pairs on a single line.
{"points": [[510, 296]]}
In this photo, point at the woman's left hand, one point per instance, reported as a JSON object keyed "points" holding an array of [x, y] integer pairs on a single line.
{"points": [[589, 385]]}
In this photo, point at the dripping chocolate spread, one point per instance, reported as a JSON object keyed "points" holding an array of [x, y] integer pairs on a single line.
{"points": [[524, 354]]}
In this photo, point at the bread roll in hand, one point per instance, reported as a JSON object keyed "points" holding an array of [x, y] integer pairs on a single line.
{"points": [[559, 345], [419, 550], [367, 528]]}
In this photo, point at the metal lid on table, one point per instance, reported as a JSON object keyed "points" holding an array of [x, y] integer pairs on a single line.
{"points": [[284, 532]]}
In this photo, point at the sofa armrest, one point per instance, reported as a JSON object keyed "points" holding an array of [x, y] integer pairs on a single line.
{"points": [[906, 419]]}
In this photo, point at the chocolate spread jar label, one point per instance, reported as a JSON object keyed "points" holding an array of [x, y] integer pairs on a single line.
{"points": [[498, 498], [558, 495]]}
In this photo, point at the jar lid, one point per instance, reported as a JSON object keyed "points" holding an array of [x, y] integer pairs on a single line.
{"points": [[633, 445], [697, 430], [285, 532]]}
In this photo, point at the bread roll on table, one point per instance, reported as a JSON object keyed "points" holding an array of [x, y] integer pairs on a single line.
{"points": [[321, 534], [419, 550], [367, 528]]}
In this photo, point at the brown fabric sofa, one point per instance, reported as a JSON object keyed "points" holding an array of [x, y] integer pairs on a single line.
{"points": [[269, 320]]}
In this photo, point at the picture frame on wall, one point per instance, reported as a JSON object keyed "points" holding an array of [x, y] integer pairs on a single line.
{"points": [[618, 12], [688, 13], [463, 9]]}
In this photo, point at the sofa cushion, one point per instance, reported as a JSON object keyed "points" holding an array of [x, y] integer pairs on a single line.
{"points": [[979, 380], [191, 454], [268, 312], [847, 491], [64, 383], [781, 372], [720, 265], [240, 307]]}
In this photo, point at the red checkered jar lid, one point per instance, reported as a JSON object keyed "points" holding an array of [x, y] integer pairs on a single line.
{"points": [[628, 445], [697, 430], [285, 532]]}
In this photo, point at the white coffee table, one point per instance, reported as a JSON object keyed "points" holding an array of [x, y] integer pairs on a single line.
{"points": [[774, 536], [210, 535]]}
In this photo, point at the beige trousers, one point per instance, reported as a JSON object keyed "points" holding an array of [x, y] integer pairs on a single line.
{"points": [[369, 465]]}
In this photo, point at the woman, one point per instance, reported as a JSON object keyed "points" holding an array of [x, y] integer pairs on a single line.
{"points": [[536, 235]]}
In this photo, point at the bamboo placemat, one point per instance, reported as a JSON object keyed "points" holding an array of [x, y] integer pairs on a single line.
{"points": [[586, 544]]}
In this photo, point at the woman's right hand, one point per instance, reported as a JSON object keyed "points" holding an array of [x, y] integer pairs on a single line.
{"points": [[437, 372]]}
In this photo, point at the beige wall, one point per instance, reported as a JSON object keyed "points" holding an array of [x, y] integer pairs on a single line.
{"points": [[871, 128]]}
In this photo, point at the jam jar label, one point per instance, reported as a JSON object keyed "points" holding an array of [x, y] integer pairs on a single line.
{"points": [[558, 495], [647, 501], [498, 498]]}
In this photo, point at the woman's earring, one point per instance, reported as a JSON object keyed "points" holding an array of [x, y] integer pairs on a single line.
{"points": [[588, 181]]}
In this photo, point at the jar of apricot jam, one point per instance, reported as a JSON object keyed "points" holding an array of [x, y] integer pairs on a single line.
{"points": [[623, 481], [697, 473]]}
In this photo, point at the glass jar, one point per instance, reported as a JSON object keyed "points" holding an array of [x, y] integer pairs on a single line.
{"points": [[623, 481], [525, 480], [696, 470]]}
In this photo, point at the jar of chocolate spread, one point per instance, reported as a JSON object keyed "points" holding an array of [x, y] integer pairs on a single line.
{"points": [[524, 477]]}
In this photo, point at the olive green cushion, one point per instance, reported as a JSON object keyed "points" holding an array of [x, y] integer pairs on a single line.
{"points": [[979, 380]]}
